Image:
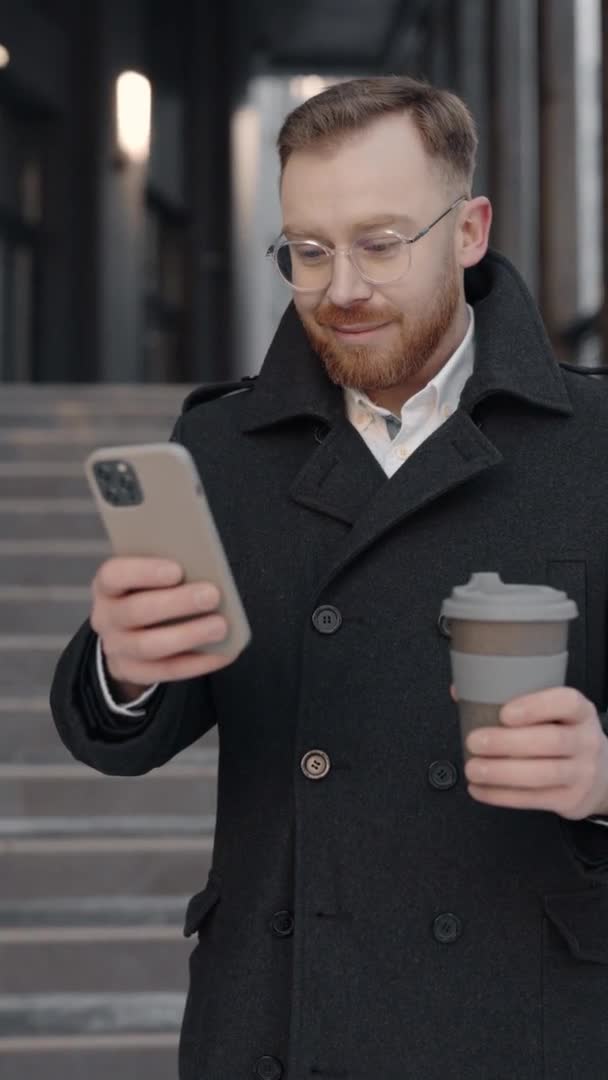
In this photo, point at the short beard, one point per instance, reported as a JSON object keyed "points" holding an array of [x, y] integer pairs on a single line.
{"points": [[370, 368]]}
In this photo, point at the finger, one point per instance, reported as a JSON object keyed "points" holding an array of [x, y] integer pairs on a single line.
{"points": [[537, 741], [561, 703], [163, 642], [186, 666], [154, 606], [453, 693], [118, 576], [546, 799], [536, 774]]}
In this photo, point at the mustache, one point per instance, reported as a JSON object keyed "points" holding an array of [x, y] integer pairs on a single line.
{"points": [[330, 315]]}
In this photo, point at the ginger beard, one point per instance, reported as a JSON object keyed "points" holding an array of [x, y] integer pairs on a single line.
{"points": [[374, 367]]}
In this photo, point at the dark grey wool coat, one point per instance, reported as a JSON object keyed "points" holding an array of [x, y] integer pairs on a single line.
{"points": [[429, 936]]}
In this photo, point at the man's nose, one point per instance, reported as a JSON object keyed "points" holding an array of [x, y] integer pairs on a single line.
{"points": [[347, 286]]}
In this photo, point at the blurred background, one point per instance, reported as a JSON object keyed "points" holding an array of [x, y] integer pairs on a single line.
{"points": [[133, 225], [138, 195]]}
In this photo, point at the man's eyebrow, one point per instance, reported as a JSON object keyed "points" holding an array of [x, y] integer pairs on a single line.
{"points": [[377, 221]]}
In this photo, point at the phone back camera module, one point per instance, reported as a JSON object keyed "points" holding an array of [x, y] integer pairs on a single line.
{"points": [[118, 483]]}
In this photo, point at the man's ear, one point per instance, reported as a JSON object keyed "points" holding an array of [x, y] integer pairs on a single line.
{"points": [[473, 233]]}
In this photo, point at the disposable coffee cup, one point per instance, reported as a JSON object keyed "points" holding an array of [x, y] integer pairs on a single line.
{"points": [[505, 641]]}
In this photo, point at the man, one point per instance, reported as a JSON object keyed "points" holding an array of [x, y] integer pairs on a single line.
{"points": [[373, 911]]}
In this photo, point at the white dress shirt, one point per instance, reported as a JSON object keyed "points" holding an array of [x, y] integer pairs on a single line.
{"points": [[391, 439], [426, 411]]}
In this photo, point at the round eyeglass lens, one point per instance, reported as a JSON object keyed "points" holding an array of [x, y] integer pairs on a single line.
{"points": [[304, 264], [381, 258]]}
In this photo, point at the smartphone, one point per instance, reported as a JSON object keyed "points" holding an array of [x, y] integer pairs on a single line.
{"points": [[151, 501]]}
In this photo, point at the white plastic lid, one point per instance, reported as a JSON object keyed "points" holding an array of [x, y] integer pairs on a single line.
{"points": [[486, 596]]}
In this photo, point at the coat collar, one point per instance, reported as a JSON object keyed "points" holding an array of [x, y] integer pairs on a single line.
{"points": [[512, 356], [341, 479]]}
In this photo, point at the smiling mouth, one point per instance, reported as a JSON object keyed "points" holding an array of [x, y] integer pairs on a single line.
{"points": [[357, 329]]}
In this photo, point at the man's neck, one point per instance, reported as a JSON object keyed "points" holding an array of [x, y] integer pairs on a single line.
{"points": [[395, 397]]}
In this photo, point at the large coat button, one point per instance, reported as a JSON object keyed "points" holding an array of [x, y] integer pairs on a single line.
{"points": [[268, 1068], [326, 619], [315, 764], [442, 775], [282, 924], [447, 928]]}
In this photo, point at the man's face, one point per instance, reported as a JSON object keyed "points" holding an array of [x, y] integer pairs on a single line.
{"points": [[375, 336]]}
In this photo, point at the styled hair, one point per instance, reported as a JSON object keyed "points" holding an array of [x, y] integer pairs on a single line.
{"points": [[442, 119]]}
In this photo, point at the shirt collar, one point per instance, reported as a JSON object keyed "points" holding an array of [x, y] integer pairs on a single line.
{"points": [[442, 391]]}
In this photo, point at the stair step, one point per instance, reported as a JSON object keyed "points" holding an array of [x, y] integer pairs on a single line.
{"points": [[62, 453], [83, 435], [136, 1057], [60, 392], [97, 829], [86, 911], [48, 563], [33, 479], [44, 608], [57, 791], [105, 865], [28, 736], [69, 415], [27, 518], [29, 660], [152, 1013], [126, 961], [24, 524]]}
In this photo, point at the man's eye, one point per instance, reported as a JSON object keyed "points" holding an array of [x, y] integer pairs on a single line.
{"points": [[308, 253], [381, 245]]}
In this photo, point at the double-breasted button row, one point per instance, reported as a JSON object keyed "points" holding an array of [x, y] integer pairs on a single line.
{"points": [[268, 1068], [326, 619], [442, 775], [315, 764], [447, 928], [282, 924]]}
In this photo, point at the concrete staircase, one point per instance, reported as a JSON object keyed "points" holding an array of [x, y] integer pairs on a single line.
{"points": [[95, 872]]}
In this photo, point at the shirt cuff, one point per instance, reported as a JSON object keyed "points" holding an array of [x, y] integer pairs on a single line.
{"points": [[133, 708]]}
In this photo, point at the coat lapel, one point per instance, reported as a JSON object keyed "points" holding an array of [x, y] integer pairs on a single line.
{"points": [[455, 454], [341, 478]]}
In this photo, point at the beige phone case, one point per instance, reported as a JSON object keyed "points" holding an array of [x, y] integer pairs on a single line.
{"points": [[173, 521]]}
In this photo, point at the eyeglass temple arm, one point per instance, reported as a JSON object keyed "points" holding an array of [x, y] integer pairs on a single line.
{"points": [[423, 232]]}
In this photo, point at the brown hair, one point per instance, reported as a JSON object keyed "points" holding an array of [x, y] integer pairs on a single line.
{"points": [[443, 120]]}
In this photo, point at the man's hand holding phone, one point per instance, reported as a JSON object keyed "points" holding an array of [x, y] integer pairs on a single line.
{"points": [[132, 597]]}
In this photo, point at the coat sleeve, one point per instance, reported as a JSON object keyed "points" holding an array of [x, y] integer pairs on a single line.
{"points": [[175, 717]]}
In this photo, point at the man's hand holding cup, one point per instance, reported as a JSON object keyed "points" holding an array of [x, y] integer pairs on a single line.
{"points": [[529, 742]]}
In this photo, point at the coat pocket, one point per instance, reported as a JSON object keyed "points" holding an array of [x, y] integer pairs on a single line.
{"points": [[582, 920], [575, 984], [200, 905]]}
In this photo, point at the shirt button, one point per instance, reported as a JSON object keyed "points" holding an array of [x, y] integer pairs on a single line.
{"points": [[447, 410], [403, 453], [442, 775], [315, 764], [268, 1068], [282, 924], [326, 619], [447, 928]]}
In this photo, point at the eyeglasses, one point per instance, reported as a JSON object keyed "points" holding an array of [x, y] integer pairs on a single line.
{"points": [[381, 258]]}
